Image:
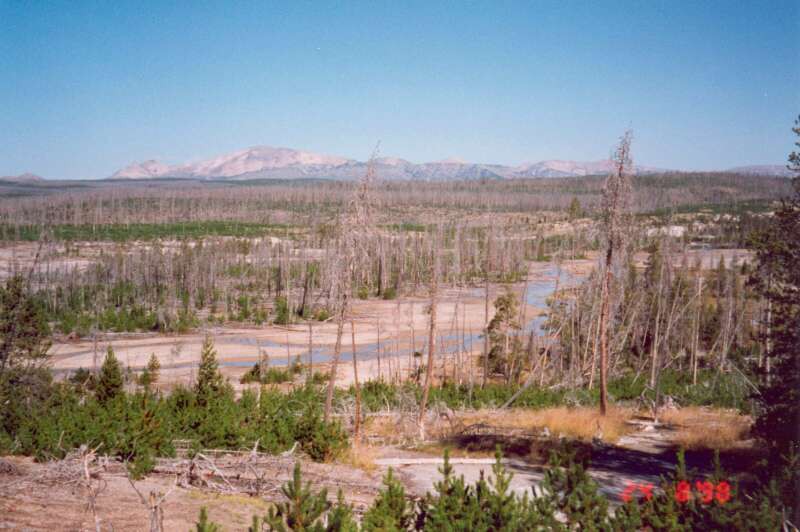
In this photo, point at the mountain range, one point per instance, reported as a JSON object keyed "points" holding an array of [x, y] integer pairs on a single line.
{"points": [[779, 170], [268, 162], [260, 162], [22, 178]]}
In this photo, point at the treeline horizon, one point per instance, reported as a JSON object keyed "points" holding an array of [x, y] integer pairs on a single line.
{"points": [[300, 201]]}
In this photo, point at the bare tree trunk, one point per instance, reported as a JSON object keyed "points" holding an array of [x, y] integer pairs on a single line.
{"points": [[616, 199], [769, 334], [603, 335], [357, 422], [654, 347], [595, 342], [310, 353], [431, 344], [288, 353], [378, 349], [411, 357], [486, 314], [337, 350]]}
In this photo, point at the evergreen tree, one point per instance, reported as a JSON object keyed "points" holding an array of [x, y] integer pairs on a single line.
{"points": [[303, 510], [109, 383], [151, 373], [340, 517], [390, 511], [575, 209], [204, 525], [24, 332], [209, 380], [25, 383], [505, 351], [501, 508], [778, 280], [454, 505], [573, 492]]}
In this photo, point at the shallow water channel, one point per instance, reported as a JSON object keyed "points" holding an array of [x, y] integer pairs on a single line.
{"points": [[536, 294]]}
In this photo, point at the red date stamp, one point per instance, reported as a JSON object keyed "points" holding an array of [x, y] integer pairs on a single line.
{"points": [[704, 491]]}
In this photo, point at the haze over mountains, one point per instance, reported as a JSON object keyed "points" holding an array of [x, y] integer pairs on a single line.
{"points": [[27, 177], [269, 162], [779, 170], [260, 162]]}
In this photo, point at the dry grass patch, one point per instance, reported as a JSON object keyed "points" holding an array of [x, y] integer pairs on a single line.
{"points": [[361, 456], [703, 428], [386, 427], [581, 422], [438, 449]]}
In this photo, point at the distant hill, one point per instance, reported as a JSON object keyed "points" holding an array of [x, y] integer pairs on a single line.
{"points": [[778, 170], [22, 178], [267, 162]]}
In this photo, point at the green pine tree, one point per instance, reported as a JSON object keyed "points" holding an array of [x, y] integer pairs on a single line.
{"points": [[501, 509], [453, 506], [24, 332], [210, 382], [109, 383], [777, 278], [573, 492], [340, 517], [154, 368], [390, 511], [303, 511], [204, 525], [575, 210]]}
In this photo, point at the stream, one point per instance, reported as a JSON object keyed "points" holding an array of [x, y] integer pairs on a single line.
{"points": [[536, 295]]}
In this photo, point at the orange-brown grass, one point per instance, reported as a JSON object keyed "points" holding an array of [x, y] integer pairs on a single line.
{"points": [[360, 456], [381, 427], [438, 448], [703, 428], [581, 422]]}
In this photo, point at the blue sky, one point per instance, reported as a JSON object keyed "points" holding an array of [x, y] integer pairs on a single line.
{"points": [[88, 87]]}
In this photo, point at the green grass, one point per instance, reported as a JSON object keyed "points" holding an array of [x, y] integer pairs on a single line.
{"points": [[732, 208], [712, 389], [142, 231]]}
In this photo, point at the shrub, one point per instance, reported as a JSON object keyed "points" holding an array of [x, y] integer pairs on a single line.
{"points": [[567, 500], [390, 293], [271, 375], [322, 315], [282, 313]]}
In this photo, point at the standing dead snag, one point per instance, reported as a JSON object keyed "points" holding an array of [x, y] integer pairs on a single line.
{"points": [[616, 207], [337, 350], [153, 504], [486, 311], [357, 423], [91, 482], [431, 341], [355, 229]]}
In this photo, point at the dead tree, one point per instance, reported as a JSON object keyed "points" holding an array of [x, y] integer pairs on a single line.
{"points": [[91, 482], [355, 229], [153, 504], [486, 311], [357, 422], [431, 342], [616, 208]]}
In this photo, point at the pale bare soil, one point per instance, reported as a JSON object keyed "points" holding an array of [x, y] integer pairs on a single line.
{"points": [[396, 326], [44, 497]]}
